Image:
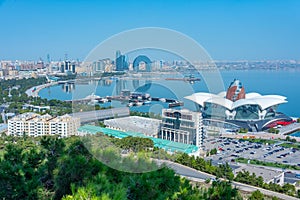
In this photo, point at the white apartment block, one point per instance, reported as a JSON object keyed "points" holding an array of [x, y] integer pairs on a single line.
{"points": [[33, 124]]}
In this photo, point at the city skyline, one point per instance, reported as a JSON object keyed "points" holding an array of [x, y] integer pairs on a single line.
{"points": [[228, 30]]}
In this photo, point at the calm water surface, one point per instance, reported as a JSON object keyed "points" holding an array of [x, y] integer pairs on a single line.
{"points": [[284, 83]]}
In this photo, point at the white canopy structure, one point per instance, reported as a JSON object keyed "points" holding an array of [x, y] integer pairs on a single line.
{"points": [[253, 98], [235, 108]]}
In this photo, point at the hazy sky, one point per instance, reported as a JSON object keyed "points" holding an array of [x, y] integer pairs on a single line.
{"points": [[228, 30]]}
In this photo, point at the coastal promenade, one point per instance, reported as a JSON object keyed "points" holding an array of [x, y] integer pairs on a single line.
{"points": [[285, 130], [260, 135], [34, 91]]}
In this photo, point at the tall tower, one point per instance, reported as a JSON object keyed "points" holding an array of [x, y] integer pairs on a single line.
{"points": [[118, 54], [48, 58]]}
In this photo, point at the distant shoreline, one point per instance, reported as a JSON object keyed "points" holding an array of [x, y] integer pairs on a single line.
{"points": [[34, 91]]}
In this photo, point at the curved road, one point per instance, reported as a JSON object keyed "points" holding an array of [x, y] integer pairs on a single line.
{"points": [[199, 176]]}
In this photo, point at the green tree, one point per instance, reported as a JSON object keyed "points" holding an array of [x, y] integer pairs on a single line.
{"points": [[52, 148], [213, 151], [256, 195], [158, 184], [222, 190]]}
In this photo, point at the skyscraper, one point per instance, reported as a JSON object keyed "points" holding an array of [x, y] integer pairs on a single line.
{"points": [[118, 54], [121, 62]]}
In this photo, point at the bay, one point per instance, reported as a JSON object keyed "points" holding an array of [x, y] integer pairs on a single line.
{"points": [[281, 82]]}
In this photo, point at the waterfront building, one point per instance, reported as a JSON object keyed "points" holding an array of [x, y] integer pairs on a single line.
{"points": [[121, 62], [142, 64], [236, 91], [234, 109], [118, 54], [68, 67], [100, 66], [182, 126], [32, 124]]}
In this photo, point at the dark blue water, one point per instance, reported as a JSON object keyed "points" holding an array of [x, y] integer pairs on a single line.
{"points": [[284, 83]]}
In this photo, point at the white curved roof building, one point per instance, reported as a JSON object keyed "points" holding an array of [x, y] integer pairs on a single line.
{"points": [[252, 98], [237, 105]]}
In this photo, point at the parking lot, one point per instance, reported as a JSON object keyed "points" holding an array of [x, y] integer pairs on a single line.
{"points": [[230, 149]]}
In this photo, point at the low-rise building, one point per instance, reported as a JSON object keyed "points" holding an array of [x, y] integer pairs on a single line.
{"points": [[33, 124], [269, 175], [147, 126], [35, 108]]}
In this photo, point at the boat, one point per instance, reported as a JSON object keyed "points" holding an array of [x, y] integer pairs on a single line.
{"points": [[147, 102], [103, 100], [139, 103], [130, 104], [190, 78], [162, 99], [176, 104], [114, 78], [92, 96]]}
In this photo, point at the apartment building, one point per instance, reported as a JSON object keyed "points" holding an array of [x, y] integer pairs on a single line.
{"points": [[33, 124]]}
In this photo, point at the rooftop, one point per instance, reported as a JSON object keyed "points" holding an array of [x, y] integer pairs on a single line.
{"points": [[264, 101], [160, 143], [33, 117], [147, 126], [266, 174]]}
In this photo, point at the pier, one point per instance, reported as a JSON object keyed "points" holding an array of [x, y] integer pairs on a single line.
{"points": [[67, 81], [285, 130], [132, 98]]}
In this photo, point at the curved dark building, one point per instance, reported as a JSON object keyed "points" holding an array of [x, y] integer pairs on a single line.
{"points": [[139, 62]]}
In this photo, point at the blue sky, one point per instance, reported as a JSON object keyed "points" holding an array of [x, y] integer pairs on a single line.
{"points": [[228, 30]]}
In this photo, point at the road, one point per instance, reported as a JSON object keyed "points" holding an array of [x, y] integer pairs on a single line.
{"points": [[289, 175], [34, 91], [199, 176]]}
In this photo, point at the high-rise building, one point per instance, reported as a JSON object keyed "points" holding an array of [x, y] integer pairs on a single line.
{"points": [[99, 66], [183, 126], [102, 65], [32, 124], [142, 64], [118, 54], [121, 64], [73, 68], [62, 68], [68, 67]]}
